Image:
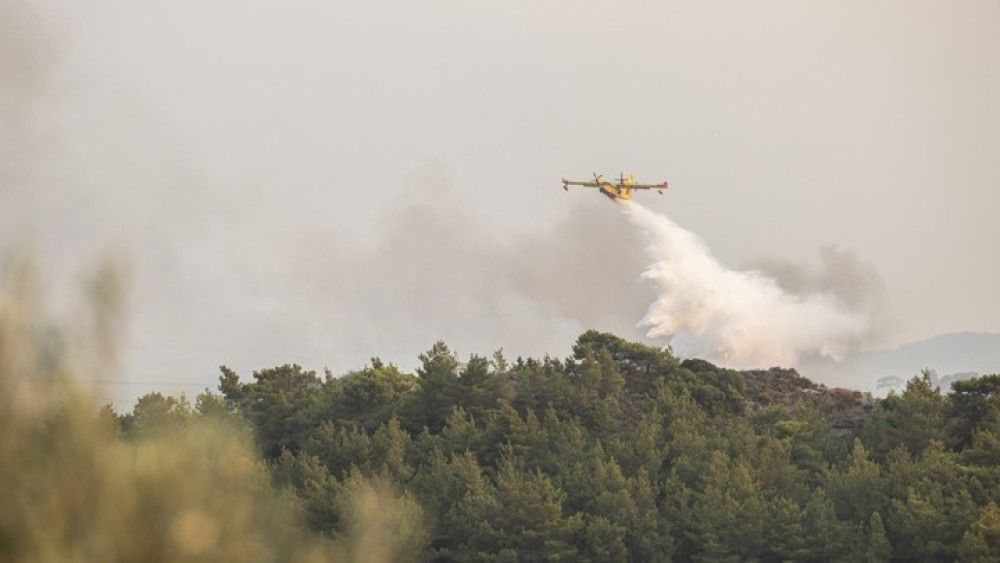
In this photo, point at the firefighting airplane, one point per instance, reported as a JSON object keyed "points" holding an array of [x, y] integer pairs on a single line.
{"points": [[622, 189]]}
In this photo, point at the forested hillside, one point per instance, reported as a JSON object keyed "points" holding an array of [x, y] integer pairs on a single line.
{"points": [[621, 452]]}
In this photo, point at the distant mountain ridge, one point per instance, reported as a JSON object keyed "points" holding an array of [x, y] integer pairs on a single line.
{"points": [[952, 356]]}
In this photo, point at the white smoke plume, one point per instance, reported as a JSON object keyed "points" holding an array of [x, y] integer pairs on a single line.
{"points": [[742, 319]]}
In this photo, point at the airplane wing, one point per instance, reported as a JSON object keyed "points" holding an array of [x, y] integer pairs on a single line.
{"points": [[662, 186], [581, 183]]}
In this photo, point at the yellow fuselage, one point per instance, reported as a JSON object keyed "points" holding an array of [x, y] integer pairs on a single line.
{"points": [[621, 190], [616, 191]]}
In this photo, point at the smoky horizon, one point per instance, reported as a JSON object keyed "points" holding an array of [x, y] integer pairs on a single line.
{"points": [[325, 182]]}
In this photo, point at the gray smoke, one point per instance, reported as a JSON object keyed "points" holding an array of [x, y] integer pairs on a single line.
{"points": [[853, 283], [255, 272], [434, 272], [247, 275]]}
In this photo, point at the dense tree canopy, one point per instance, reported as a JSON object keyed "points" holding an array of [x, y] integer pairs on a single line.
{"points": [[622, 452]]}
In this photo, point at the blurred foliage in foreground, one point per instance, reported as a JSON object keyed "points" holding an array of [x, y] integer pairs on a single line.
{"points": [[77, 489], [621, 452]]}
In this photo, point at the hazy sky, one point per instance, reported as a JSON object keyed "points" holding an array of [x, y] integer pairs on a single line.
{"points": [[324, 181]]}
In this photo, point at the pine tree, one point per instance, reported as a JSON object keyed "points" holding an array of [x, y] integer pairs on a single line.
{"points": [[879, 549], [912, 419], [857, 489], [439, 385], [528, 519], [981, 542]]}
